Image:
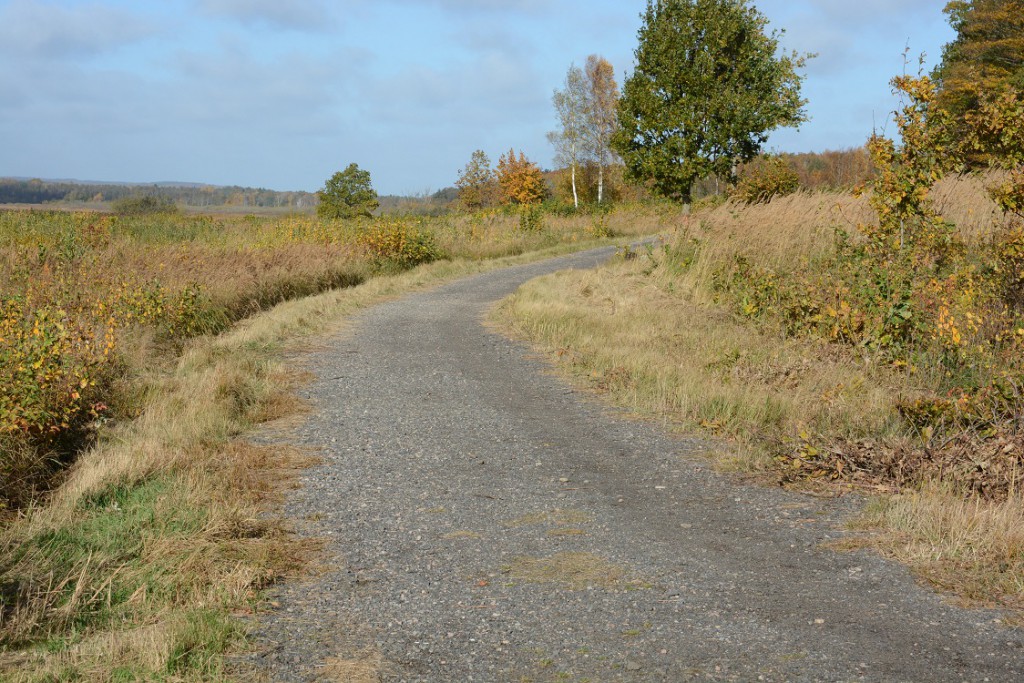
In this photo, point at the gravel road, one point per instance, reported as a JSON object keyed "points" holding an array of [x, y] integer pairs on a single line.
{"points": [[488, 523]]}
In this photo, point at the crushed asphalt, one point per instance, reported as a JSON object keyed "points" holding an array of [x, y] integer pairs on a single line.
{"points": [[486, 522]]}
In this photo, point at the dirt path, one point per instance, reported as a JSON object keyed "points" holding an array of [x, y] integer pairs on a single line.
{"points": [[486, 523]]}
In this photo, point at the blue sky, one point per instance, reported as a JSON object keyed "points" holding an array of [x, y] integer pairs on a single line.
{"points": [[276, 94]]}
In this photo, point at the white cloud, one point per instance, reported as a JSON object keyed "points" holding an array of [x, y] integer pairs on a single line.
{"points": [[52, 31], [230, 88]]}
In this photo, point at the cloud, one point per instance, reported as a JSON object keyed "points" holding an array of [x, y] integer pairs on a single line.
{"points": [[231, 88], [491, 89], [855, 37], [304, 15], [53, 31]]}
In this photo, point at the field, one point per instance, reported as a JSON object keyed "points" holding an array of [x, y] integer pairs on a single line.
{"points": [[133, 354], [822, 361]]}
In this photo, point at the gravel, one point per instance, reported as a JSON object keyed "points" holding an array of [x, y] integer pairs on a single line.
{"points": [[485, 522]]}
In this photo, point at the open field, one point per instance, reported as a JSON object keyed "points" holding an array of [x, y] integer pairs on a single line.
{"points": [[158, 342], [773, 327]]}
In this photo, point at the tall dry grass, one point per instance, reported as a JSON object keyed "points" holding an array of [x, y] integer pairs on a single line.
{"points": [[789, 231]]}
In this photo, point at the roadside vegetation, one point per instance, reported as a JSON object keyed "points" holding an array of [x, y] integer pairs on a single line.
{"points": [[135, 350]]}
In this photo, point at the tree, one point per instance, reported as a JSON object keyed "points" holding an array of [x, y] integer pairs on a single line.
{"points": [[571, 142], [707, 89], [347, 194], [602, 114], [476, 182], [520, 179], [983, 62]]}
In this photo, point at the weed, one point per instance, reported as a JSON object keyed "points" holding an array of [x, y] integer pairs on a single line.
{"points": [[576, 571]]}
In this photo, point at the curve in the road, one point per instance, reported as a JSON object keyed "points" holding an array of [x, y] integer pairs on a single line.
{"points": [[487, 523]]}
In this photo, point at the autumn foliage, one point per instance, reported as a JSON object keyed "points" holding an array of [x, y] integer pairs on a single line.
{"points": [[984, 61], [918, 296], [520, 180]]}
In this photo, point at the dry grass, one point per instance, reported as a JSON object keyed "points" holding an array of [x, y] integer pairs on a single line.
{"points": [[971, 547], [365, 667], [663, 356], [575, 571], [789, 230], [461, 535]]}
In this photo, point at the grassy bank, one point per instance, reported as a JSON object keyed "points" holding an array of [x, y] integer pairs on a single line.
{"points": [[823, 362], [160, 531]]}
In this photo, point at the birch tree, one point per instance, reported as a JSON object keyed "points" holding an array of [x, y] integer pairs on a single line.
{"points": [[571, 105], [602, 99]]}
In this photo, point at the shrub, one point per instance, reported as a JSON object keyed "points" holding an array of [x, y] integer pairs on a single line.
{"points": [[1009, 270], [143, 206], [398, 242], [531, 218], [764, 178]]}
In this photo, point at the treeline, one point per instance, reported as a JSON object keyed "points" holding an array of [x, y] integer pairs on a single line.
{"points": [[427, 204], [810, 171], [843, 169], [15, 191]]}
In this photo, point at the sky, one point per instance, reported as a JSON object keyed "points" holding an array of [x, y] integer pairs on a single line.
{"points": [[281, 94]]}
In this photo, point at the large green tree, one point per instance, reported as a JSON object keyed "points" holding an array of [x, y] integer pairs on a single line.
{"points": [[709, 85], [348, 194]]}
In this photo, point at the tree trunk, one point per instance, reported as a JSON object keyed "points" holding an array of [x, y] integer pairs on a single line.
{"points": [[575, 197], [600, 182]]}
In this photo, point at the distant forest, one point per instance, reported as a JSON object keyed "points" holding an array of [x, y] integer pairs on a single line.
{"points": [[21, 191], [18, 191]]}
